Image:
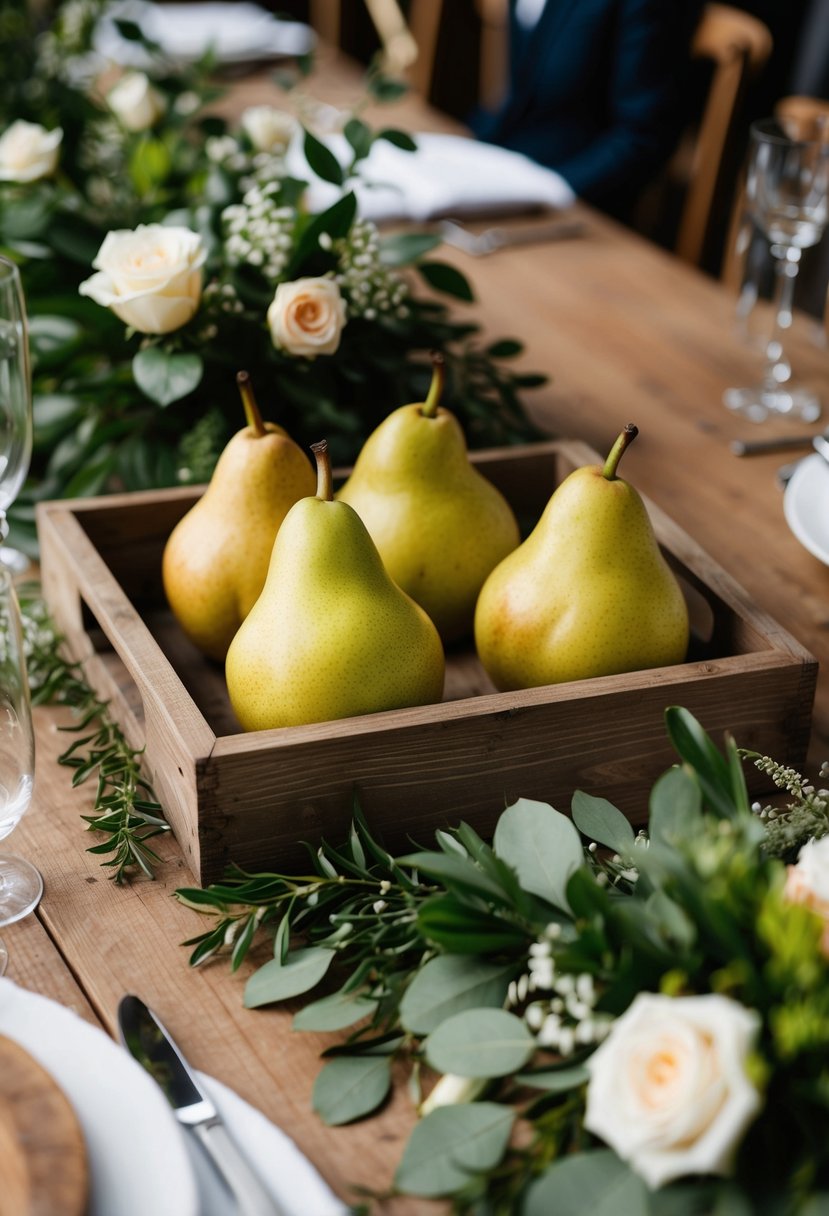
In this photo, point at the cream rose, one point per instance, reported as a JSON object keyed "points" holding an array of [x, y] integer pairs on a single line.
{"points": [[151, 278], [668, 1090], [28, 152], [134, 102], [808, 883], [267, 128], [306, 317]]}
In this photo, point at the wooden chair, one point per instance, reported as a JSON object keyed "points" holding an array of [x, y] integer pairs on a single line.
{"points": [[737, 45]]}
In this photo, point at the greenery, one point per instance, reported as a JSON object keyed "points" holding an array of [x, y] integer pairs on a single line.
{"points": [[505, 967], [133, 407], [124, 809]]}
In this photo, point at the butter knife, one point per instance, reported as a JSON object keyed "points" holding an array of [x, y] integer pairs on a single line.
{"points": [[147, 1040]]}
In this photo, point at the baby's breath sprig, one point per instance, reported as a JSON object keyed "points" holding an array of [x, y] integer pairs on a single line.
{"points": [[804, 817], [125, 808]]}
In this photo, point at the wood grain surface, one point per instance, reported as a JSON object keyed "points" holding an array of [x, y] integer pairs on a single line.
{"points": [[42, 1149], [626, 333]]}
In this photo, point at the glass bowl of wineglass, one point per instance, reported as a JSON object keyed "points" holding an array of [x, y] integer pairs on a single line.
{"points": [[787, 196], [15, 403], [21, 885]]}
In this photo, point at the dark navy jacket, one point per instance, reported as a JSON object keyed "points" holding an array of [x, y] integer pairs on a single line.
{"points": [[597, 92]]}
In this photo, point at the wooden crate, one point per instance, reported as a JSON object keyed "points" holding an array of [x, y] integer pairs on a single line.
{"points": [[252, 798]]}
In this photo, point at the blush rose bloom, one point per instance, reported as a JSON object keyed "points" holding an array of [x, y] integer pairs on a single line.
{"points": [[808, 883], [151, 277], [28, 152], [668, 1089], [134, 102], [306, 317], [267, 128]]}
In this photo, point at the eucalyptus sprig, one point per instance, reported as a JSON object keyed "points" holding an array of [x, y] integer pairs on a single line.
{"points": [[125, 810]]}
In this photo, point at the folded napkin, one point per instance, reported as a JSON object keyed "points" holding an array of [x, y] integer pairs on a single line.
{"points": [[235, 31], [140, 1160], [447, 175]]}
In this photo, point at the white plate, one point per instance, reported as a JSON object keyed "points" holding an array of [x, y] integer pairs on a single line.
{"points": [[806, 505], [137, 1157]]}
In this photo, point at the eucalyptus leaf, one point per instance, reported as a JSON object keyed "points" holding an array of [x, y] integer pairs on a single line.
{"points": [[454, 871], [675, 807], [359, 137], [587, 1184], [601, 821], [542, 846], [676, 923], [406, 247], [480, 1043], [698, 751], [277, 981], [506, 348], [462, 928], [322, 160], [400, 139], [334, 1012], [450, 1145], [449, 984], [554, 1080], [349, 1087], [165, 377]]}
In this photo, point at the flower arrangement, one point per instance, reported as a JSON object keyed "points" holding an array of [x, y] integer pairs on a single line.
{"points": [[620, 1022], [164, 248]]}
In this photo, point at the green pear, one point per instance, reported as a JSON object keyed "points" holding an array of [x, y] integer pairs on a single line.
{"points": [[439, 525], [216, 558], [331, 635], [588, 593]]}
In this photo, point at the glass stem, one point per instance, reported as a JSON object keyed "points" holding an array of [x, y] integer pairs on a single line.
{"points": [[786, 266]]}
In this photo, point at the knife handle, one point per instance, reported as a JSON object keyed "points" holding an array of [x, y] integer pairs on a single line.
{"points": [[250, 1194]]}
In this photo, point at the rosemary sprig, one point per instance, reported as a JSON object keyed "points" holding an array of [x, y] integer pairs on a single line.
{"points": [[125, 809]]}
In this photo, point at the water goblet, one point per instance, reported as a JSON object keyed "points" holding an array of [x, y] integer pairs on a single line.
{"points": [[787, 191], [15, 403], [21, 885]]}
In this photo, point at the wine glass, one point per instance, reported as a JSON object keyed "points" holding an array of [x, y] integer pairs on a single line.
{"points": [[15, 402], [21, 885], [786, 196]]}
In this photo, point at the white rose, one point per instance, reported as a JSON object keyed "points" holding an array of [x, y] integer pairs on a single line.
{"points": [[668, 1090], [151, 278], [267, 128], [306, 317], [808, 883], [134, 102], [28, 152]]}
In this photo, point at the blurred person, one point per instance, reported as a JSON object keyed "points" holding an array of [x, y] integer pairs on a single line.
{"points": [[597, 90]]}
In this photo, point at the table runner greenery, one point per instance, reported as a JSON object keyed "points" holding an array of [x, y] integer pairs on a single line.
{"points": [[88, 172]]}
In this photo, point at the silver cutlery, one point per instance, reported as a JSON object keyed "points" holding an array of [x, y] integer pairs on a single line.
{"points": [[785, 473], [780, 443], [479, 244], [147, 1040]]}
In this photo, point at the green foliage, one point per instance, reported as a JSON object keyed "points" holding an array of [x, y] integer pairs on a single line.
{"points": [[506, 963]]}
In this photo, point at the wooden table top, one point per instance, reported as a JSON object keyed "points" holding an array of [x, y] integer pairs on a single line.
{"points": [[626, 333]]}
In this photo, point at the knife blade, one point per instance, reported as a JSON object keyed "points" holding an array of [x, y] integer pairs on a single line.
{"points": [[148, 1041]]}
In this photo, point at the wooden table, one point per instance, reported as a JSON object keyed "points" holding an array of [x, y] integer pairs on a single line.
{"points": [[626, 333]]}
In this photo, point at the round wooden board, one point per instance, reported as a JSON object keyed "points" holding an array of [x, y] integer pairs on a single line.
{"points": [[42, 1149]]}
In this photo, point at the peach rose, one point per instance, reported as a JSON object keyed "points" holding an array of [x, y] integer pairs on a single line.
{"points": [[306, 317], [807, 883]]}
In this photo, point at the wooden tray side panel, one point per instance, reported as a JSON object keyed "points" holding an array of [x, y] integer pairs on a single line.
{"points": [[434, 774]]}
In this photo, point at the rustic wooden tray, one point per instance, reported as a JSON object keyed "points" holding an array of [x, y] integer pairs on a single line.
{"points": [[252, 798]]}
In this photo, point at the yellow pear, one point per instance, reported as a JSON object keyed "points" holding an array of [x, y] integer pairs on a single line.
{"points": [[217, 556], [588, 593], [331, 635], [439, 525]]}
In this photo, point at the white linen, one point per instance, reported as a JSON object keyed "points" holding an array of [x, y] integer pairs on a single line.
{"points": [[806, 505], [447, 175], [140, 1159], [235, 31]]}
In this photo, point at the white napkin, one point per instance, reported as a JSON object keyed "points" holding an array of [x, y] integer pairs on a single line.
{"points": [[236, 31], [447, 175], [140, 1159]]}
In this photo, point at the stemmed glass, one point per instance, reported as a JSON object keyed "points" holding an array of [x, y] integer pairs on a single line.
{"points": [[21, 885], [786, 196], [15, 402]]}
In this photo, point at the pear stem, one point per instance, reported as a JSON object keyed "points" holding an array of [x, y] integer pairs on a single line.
{"points": [[622, 443], [429, 408], [325, 481], [252, 413]]}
